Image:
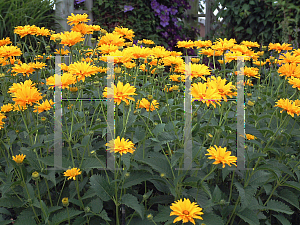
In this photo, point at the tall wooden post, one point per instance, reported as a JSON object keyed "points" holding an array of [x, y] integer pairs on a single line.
{"points": [[208, 18], [192, 14], [63, 9]]}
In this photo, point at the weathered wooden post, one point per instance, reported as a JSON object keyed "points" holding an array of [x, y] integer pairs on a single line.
{"points": [[63, 9], [208, 18]]}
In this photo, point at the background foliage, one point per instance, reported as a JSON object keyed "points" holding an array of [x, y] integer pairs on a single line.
{"points": [[262, 21]]}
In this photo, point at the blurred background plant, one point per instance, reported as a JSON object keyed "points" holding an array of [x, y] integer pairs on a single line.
{"points": [[15, 13]]}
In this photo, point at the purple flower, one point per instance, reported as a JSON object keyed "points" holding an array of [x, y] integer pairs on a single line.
{"points": [[165, 34], [79, 1], [173, 11], [128, 8], [164, 23]]}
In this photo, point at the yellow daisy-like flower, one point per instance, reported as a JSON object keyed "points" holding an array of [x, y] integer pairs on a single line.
{"points": [[42, 32], [137, 52], [289, 58], [210, 52], [144, 103], [124, 32], [45, 106], [25, 30], [250, 44], [26, 95], [70, 38], [5, 41], [220, 155], [148, 42], [177, 77], [185, 44], [250, 137], [295, 82], [172, 60], [259, 63], [106, 49], [7, 108], [289, 70], [121, 146], [206, 93], [66, 80], [223, 45], [19, 158], [61, 51], [37, 65], [82, 70], [72, 173], [250, 72], [186, 211], [2, 116], [199, 70], [9, 51], [223, 88], [76, 19], [201, 44], [289, 106], [112, 39], [83, 28], [278, 47], [120, 93], [160, 52], [25, 69]]}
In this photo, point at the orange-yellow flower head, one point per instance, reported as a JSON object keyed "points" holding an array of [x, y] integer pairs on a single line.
{"points": [[70, 38], [45, 106], [124, 32], [112, 39], [120, 93], [19, 158], [82, 70], [5, 41], [2, 116], [7, 108], [186, 211], [76, 19], [289, 106], [25, 69], [206, 93], [144, 103], [9, 51], [72, 173], [120, 146], [66, 80], [26, 95], [220, 155]]}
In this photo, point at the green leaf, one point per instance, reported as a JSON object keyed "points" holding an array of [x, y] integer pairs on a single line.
{"points": [[158, 129], [290, 197], [292, 184], [163, 214], [101, 187], [211, 219], [278, 207], [63, 215], [132, 202], [10, 202], [25, 221], [217, 194], [104, 215], [161, 165], [249, 217], [96, 205], [282, 219], [136, 178]]}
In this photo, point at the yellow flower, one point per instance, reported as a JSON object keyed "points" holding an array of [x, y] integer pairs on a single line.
{"points": [[72, 173], [26, 95], [206, 93], [223, 45], [124, 32], [148, 42], [9, 51], [42, 32], [120, 92], [160, 52], [185, 44], [70, 38], [250, 44], [112, 39], [172, 60], [82, 28], [210, 52], [186, 211], [61, 51], [73, 89], [220, 155], [2, 116], [144, 103], [24, 68], [65, 201], [201, 44], [250, 103], [121, 146], [289, 106], [76, 19], [106, 49], [289, 70], [7, 108], [37, 65], [289, 58], [223, 88], [66, 80], [19, 158], [278, 47], [45, 106], [5, 41], [295, 82], [25, 30], [250, 137], [82, 70]]}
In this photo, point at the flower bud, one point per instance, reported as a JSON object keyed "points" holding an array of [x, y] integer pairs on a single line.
{"points": [[93, 153], [162, 175], [127, 174], [118, 70], [73, 89], [58, 39], [65, 202], [93, 40], [35, 175], [48, 48], [150, 97], [222, 202], [98, 120], [149, 216], [293, 156], [87, 209]]}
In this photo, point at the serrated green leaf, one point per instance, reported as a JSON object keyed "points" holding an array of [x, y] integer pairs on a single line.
{"points": [[292, 184], [217, 194], [104, 215], [211, 219], [290, 197], [158, 129], [249, 217], [25, 221], [161, 165], [10, 202], [132, 202], [63, 215], [136, 178], [163, 214], [282, 219], [101, 187], [278, 207]]}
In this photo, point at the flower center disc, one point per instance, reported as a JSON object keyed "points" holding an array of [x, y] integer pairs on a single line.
{"points": [[185, 212]]}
